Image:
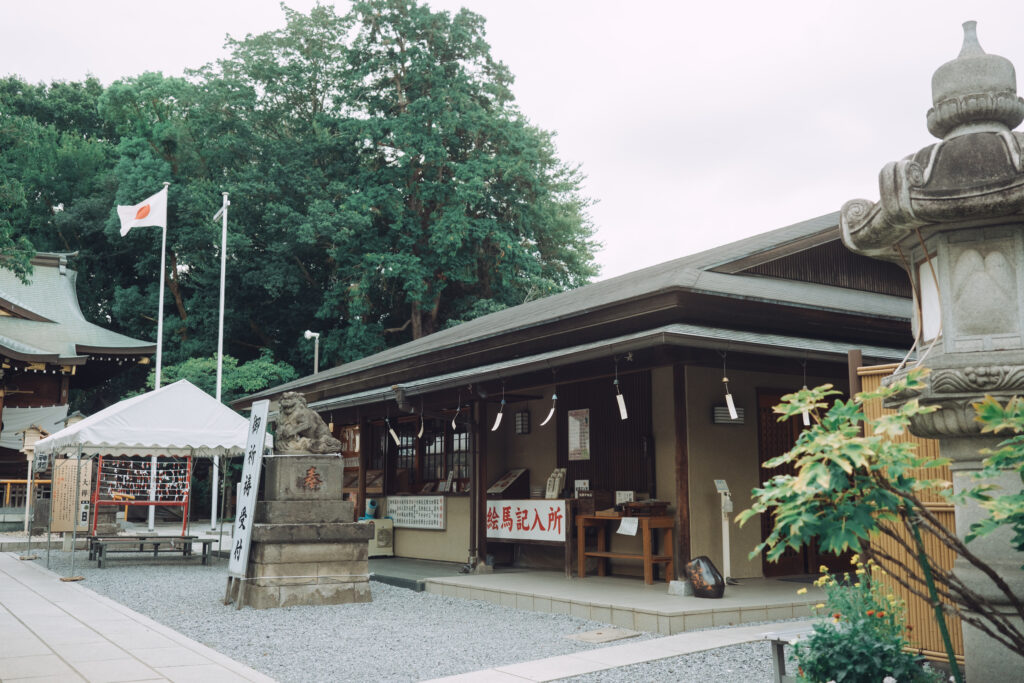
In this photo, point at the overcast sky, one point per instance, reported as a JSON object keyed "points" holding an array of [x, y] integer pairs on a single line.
{"points": [[695, 124]]}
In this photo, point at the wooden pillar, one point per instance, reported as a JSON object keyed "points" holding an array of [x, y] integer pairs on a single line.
{"points": [[681, 547], [478, 491], [364, 441], [854, 360]]}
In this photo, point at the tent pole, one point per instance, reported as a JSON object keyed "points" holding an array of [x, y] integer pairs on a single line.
{"points": [[152, 493], [78, 508]]}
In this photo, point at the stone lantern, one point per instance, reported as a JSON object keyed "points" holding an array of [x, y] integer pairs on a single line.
{"points": [[952, 215]]}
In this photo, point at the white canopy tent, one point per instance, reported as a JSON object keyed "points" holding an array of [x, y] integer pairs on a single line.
{"points": [[177, 419]]}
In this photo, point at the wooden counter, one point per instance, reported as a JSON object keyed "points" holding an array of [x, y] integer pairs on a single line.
{"points": [[646, 525]]}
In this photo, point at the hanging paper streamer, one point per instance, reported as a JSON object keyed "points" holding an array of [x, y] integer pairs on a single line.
{"points": [[497, 419], [551, 413], [458, 409], [733, 415], [618, 393], [393, 434], [732, 406]]}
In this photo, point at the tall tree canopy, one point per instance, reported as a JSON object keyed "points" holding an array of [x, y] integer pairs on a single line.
{"points": [[383, 185]]}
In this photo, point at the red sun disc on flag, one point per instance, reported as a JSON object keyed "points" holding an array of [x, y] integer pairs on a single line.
{"points": [[142, 212]]}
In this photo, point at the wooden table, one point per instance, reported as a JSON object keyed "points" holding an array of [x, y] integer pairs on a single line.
{"points": [[646, 525]]}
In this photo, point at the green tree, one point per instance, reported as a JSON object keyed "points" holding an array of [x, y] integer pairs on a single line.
{"points": [[383, 186], [459, 200], [236, 380]]}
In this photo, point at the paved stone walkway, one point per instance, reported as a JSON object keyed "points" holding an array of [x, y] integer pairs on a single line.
{"points": [[52, 630], [600, 659]]}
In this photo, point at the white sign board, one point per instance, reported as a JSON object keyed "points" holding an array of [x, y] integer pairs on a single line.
{"points": [[249, 486], [526, 520], [417, 512]]}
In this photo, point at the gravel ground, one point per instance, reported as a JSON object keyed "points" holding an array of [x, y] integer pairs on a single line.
{"points": [[400, 636]]}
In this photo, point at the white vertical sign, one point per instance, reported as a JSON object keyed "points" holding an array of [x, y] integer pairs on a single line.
{"points": [[249, 485]]}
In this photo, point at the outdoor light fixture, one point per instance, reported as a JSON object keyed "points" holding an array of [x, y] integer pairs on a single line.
{"points": [[497, 418], [728, 397], [618, 393], [309, 334]]}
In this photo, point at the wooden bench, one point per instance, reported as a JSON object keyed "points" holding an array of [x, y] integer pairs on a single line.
{"points": [[779, 640], [100, 547]]}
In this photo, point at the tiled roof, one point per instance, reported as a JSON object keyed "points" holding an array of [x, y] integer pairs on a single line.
{"points": [[690, 273], [47, 324]]}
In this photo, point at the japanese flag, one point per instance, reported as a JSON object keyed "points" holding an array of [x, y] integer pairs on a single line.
{"points": [[152, 211]]}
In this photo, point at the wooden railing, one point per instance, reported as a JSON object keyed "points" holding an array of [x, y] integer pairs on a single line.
{"points": [[924, 634], [16, 489]]}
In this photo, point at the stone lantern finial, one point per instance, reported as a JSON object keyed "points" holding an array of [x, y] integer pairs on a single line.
{"points": [[975, 88]]}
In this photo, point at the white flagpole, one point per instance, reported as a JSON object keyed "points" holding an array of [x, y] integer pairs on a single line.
{"points": [[159, 358], [215, 474]]}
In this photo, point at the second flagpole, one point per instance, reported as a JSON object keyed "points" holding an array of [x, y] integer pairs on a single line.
{"points": [[215, 471]]}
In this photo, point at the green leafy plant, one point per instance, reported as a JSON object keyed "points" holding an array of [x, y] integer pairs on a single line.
{"points": [[862, 637], [854, 483], [1007, 509]]}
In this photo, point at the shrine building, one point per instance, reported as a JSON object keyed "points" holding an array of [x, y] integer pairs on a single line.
{"points": [[637, 363], [46, 347]]}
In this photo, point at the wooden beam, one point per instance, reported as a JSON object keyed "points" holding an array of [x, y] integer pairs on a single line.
{"points": [[682, 471]]}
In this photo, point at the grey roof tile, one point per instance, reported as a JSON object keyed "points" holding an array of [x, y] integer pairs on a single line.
{"points": [[52, 295]]}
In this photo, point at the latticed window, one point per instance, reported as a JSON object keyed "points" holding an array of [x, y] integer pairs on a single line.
{"points": [[461, 451], [405, 458], [434, 451]]}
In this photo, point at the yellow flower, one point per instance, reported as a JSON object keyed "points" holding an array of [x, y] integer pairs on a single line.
{"points": [[801, 591], [860, 571], [819, 605], [855, 559], [823, 569], [857, 585]]}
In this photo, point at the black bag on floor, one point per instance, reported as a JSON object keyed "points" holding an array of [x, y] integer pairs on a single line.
{"points": [[705, 578]]}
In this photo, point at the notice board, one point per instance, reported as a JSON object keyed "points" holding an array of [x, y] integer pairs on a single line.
{"points": [[417, 512], [65, 505]]}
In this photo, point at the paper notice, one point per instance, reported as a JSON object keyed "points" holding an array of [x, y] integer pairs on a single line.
{"points": [[628, 526]]}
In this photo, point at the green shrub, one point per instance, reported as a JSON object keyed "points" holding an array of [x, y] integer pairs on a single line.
{"points": [[862, 637]]}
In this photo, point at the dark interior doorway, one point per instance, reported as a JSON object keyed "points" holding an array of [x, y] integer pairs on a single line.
{"points": [[775, 438]]}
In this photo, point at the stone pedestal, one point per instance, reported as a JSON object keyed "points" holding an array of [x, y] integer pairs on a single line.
{"points": [[305, 550]]}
